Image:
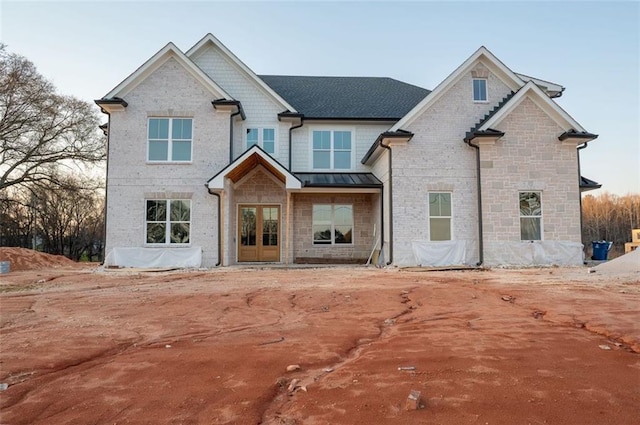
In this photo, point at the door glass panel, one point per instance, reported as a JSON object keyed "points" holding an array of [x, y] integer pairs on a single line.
{"points": [[248, 227], [269, 226]]}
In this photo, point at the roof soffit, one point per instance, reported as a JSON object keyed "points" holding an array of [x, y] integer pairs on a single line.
{"points": [[156, 61], [210, 40], [540, 98], [483, 56]]}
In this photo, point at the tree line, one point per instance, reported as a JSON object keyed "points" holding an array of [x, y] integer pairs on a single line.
{"points": [[50, 146], [609, 217]]}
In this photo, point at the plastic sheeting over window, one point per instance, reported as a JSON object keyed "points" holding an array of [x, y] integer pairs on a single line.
{"points": [[153, 258]]}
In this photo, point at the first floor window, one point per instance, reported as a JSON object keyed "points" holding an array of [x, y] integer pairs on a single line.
{"points": [[332, 224], [440, 216], [479, 90], [263, 137], [169, 139], [331, 150], [530, 216], [168, 221]]}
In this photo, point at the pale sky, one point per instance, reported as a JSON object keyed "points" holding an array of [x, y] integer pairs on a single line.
{"points": [[86, 48]]}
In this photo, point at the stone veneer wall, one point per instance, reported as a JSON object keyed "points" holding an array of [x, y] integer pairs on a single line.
{"points": [[364, 219], [529, 158]]}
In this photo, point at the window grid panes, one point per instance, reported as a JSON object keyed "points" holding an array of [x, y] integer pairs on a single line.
{"points": [[440, 216], [530, 216], [170, 139], [331, 150], [479, 90], [263, 137], [332, 224], [168, 221]]}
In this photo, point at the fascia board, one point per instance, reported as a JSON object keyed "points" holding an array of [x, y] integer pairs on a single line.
{"points": [[482, 55], [157, 60], [209, 38], [540, 98]]}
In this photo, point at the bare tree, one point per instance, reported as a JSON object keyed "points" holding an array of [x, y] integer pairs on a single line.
{"points": [[611, 218], [39, 129]]}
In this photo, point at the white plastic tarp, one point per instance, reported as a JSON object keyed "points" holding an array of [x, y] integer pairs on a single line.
{"points": [[439, 253], [154, 257], [536, 253]]}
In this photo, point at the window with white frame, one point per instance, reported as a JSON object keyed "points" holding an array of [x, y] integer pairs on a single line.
{"points": [[440, 216], [332, 224], [530, 216], [479, 89], [331, 149], [168, 221], [263, 137], [169, 139]]}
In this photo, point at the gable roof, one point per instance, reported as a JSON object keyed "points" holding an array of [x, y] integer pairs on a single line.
{"points": [[210, 39], [360, 98], [251, 158], [482, 55], [535, 93], [157, 60]]}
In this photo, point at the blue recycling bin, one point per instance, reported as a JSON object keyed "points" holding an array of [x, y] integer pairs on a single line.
{"points": [[600, 250]]}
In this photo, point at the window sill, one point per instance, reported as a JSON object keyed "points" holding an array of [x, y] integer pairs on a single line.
{"points": [[169, 162]]}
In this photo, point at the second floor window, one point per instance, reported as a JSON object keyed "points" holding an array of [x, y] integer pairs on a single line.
{"points": [[479, 90], [331, 150], [263, 137], [170, 139]]}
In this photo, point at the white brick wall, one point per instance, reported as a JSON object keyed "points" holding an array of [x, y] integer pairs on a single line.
{"points": [[169, 91], [438, 159]]}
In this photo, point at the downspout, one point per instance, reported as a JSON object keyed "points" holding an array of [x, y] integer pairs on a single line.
{"points": [[290, 136], [231, 119], [388, 148], [219, 225], [584, 145], [479, 187]]}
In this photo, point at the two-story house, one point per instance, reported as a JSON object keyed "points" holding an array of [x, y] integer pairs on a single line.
{"points": [[211, 164]]}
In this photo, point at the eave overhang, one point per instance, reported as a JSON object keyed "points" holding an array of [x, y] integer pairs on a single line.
{"points": [[588, 184], [385, 139], [109, 105], [229, 105], [487, 136], [105, 128], [576, 137], [295, 118], [250, 159]]}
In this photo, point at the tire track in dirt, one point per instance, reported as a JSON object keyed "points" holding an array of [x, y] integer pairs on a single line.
{"points": [[280, 397]]}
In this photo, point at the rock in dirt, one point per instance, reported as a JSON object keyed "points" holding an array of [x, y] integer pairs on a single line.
{"points": [[413, 401], [293, 367], [293, 385]]}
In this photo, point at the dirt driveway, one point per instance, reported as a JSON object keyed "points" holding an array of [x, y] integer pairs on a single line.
{"points": [[537, 346]]}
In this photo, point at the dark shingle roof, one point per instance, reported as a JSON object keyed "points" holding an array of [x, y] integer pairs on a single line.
{"points": [[360, 180], [347, 97]]}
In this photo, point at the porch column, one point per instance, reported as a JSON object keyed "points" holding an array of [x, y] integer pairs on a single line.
{"points": [[287, 227]]}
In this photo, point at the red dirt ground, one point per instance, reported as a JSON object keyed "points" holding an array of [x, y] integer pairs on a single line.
{"points": [[537, 346]]}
